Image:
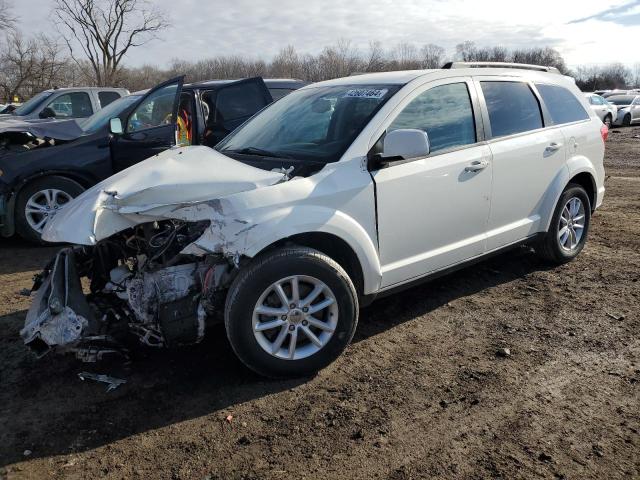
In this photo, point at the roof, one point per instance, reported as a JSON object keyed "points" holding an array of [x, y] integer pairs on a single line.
{"points": [[406, 76], [270, 82], [63, 89]]}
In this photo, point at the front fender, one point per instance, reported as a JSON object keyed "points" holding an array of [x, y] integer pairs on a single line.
{"points": [[249, 236]]}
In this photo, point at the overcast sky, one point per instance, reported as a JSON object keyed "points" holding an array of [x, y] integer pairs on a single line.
{"points": [[585, 31]]}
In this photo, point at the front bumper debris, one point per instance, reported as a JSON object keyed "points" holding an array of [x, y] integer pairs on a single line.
{"points": [[59, 315]]}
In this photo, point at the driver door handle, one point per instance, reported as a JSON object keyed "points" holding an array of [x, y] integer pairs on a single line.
{"points": [[476, 166], [553, 147]]}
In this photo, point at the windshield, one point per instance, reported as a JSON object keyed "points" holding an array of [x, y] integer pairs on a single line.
{"points": [[626, 100], [100, 119], [317, 123], [33, 103]]}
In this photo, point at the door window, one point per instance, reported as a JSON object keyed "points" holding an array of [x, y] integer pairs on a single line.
{"points": [[562, 105], [72, 105], [444, 113], [154, 111], [512, 107], [107, 97]]}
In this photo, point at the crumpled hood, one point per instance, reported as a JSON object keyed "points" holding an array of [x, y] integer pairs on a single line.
{"points": [[178, 176], [42, 128]]}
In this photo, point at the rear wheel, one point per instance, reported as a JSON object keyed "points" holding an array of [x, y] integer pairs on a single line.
{"points": [[291, 313], [569, 226], [40, 201]]}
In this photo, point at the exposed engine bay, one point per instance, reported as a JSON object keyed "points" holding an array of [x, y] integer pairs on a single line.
{"points": [[16, 142], [134, 286]]}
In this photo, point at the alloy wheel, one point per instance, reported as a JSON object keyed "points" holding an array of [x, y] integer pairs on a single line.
{"points": [[43, 205], [295, 317], [571, 226]]}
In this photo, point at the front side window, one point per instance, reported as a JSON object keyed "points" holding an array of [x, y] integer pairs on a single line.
{"points": [[156, 110], [595, 99], [562, 105], [316, 123], [100, 119], [72, 105], [444, 113], [512, 106]]}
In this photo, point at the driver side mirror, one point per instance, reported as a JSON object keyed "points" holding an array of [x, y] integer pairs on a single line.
{"points": [[115, 126], [404, 144], [47, 112]]}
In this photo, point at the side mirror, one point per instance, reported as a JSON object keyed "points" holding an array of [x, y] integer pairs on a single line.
{"points": [[47, 112], [405, 143], [115, 126]]}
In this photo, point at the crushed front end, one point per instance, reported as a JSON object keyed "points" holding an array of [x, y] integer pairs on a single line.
{"points": [[133, 287]]}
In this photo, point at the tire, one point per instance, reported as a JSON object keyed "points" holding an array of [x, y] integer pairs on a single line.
{"points": [[65, 189], [253, 287], [551, 247], [608, 120], [626, 121]]}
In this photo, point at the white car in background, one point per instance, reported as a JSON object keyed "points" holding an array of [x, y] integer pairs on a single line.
{"points": [[607, 112], [340, 192], [628, 109]]}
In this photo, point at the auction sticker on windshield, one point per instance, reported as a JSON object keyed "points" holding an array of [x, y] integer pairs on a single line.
{"points": [[366, 93]]}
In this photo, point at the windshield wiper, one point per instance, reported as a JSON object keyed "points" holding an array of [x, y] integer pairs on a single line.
{"points": [[258, 151]]}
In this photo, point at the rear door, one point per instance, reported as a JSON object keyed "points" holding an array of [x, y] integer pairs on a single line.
{"points": [[229, 106], [526, 157], [150, 128]]}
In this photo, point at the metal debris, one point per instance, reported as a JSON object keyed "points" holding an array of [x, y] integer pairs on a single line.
{"points": [[112, 382]]}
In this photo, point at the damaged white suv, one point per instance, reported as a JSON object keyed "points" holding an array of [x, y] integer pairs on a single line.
{"points": [[339, 192]]}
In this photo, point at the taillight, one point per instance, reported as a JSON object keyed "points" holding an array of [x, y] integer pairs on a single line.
{"points": [[604, 131]]}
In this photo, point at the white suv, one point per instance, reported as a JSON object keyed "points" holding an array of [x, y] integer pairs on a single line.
{"points": [[342, 191]]}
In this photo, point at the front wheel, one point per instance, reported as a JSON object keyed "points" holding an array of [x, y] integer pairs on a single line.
{"points": [[569, 226], [291, 312], [626, 121], [608, 121]]}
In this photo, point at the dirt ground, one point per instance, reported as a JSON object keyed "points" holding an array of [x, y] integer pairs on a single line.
{"points": [[421, 393]]}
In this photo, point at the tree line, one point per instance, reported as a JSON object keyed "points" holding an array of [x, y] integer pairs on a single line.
{"points": [[95, 35]]}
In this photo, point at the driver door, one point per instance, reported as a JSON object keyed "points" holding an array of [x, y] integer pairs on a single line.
{"points": [[150, 128], [433, 211]]}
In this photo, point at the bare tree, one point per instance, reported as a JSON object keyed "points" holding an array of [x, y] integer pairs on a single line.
{"points": [[105, 30], [28, 66], [7, 20], [432, 56]]}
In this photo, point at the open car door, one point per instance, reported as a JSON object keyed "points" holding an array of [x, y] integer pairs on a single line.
{"points": [[150, 127], [228, 106]]}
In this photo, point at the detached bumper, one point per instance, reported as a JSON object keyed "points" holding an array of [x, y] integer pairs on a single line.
{"points": [[59, 316]]}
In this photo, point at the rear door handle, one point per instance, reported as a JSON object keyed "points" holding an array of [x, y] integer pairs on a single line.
{"points": [[553, 147], [476, 166]]}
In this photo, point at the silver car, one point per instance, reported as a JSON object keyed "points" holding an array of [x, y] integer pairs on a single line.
{"points": [[607, 112], [628, 109]]}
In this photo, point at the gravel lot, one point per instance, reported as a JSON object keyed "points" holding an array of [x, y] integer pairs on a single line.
{"points": [[421, 393]]}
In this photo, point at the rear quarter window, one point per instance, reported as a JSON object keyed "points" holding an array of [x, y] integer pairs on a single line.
{"points": [[512, 108], [561, 104], [107, 97]]}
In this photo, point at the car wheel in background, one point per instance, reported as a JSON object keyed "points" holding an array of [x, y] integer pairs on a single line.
{"points": [[291, 312], [569, 226], [626, 121], [608, 120], [40, 201]]}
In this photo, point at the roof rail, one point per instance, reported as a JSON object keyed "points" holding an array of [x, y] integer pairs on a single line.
{"points": [[523, 66]]}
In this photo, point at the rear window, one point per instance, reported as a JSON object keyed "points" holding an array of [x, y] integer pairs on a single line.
{"points": [[512, 106], [562, 105], [107, 97]]}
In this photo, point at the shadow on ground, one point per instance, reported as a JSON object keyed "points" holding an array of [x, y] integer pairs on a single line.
{"points": [[61, 415]]}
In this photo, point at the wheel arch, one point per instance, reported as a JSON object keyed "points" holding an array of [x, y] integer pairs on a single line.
{"points": [[332, 246]]}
